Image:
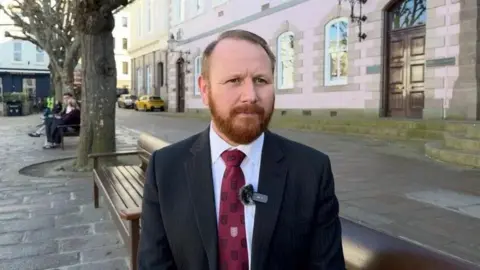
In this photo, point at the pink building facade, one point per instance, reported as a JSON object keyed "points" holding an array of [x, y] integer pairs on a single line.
{"points": [[418, 59]]}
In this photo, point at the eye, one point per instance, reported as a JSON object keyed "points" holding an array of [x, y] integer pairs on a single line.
{"points": [[235, 81], [260, 81]]}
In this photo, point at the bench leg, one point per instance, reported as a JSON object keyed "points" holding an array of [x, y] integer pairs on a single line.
{"points": [[95, 194], [134, 241]]}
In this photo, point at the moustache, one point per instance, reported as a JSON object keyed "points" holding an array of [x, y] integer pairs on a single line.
{"points": [[249, 108]]}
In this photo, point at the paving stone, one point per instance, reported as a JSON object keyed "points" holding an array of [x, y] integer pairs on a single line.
{"points": [[47, 198], [89, 242], [41, 262], [104, 253], [58, 210], [20, 207], [58, 233], [84, 217], [25, 225], [102, 227], [11, 238], [25, 250], [14, 215], [116, 264]]}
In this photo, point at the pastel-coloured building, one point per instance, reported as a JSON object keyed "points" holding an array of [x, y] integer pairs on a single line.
{"points": [[418, 59]]}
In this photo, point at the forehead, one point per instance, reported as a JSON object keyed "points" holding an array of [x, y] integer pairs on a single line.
{"points": [[236, 55]]}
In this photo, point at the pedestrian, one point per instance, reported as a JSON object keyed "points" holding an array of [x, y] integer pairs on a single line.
{"points": [[238, 196]]}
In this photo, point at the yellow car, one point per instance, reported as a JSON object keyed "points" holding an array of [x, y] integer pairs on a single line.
{"points": [[149, 103]]}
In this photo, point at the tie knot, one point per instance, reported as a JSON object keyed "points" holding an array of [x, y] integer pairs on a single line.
{"points": [[233, 158]]}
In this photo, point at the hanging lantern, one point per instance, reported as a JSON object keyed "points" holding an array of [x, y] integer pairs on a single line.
{"points": [[359, 19]]}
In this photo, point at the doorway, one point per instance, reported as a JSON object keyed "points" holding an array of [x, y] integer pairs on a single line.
{"points": [[405, 68], [181, 85]]}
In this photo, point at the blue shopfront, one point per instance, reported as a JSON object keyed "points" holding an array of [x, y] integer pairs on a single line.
{"points": [[36, 82]]}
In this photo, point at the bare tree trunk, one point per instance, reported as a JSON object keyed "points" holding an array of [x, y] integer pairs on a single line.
{"points": [[97, 133]]}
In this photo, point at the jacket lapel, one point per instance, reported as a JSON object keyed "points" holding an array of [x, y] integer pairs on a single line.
{"points": [[273, 174], [200, 184]]}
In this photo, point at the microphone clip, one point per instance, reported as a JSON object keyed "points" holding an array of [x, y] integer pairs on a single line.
{"points": [[248, 196]]}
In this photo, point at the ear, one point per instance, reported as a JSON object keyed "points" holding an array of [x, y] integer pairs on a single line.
{"points": [[203, 86]]}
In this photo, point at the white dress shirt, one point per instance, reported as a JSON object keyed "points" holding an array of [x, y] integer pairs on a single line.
{"points": [[250, 167]]}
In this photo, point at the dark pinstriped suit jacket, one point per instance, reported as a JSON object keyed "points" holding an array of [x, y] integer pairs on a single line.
{"points": [[298, 228]]}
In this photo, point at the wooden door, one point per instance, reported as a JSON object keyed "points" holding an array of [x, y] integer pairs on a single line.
{"points": [[406, 73], [180, 85]]}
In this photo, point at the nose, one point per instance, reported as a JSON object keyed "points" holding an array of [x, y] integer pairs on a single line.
{"points": [[249, 93]]}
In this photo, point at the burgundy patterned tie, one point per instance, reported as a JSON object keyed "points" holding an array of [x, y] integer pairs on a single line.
{"points": [[232, 241]]}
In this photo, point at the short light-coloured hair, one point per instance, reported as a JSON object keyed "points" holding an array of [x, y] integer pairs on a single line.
{"points": [[73, 103], [237, 35]]}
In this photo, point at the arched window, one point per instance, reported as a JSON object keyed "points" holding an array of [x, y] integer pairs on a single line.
{"points": [[336, 52], [197, 73], [285, 60]]}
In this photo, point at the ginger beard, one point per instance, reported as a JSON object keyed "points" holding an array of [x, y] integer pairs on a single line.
{"points": [[238, 127]]}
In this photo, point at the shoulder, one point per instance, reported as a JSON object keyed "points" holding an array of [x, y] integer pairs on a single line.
{"points": [[175, 151]]}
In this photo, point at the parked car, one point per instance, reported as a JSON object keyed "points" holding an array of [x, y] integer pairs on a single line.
{"points": [[121, 91], [149, 103], [126, 101]]}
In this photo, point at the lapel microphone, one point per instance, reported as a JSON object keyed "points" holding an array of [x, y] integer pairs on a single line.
{"points": [[248, 196]]}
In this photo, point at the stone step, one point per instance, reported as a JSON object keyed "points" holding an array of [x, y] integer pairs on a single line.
{"points": [[473, 132], [461, 142], [439, 151]]}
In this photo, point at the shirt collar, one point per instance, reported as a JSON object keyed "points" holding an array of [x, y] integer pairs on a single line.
{"points": [[252, 150]]}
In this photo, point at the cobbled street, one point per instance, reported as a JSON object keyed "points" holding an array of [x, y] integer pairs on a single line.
{"points": [[50, 223]]}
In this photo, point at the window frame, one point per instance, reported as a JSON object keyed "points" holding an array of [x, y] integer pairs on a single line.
{"points": [[328, 80], [279, 74], [197, 72]]}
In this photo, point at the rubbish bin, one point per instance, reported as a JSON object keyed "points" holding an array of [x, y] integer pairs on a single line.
{"points": [[14, 108]]}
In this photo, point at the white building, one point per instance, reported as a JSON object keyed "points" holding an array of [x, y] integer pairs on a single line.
{"points": [[121, 34], [23, 66]]}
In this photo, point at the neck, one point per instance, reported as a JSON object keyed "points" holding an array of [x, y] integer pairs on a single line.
{"points": [[221, 135]]}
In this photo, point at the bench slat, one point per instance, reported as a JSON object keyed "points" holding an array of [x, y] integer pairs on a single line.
{"points": [[133, 177], [112, 193], [141, 172], [124, 188]]}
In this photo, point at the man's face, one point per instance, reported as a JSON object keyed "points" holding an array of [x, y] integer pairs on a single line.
{"points": [[239, 90], [66, 98]]}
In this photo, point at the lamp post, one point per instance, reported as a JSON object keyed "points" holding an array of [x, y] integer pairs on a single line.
{"points": [[360, 18]]}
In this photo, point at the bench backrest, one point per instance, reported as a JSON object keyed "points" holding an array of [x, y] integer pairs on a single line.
{"points": [[147, 144], [365, 248]]}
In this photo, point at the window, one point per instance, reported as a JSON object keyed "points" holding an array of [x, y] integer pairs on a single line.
{"points": [[124, 43], [286, 59], [199, 5], [125, 68], [17, 51], [139, 22], [124, 21], [148, 12], [198, 72], [160, 70], [336, 55], [179, 9], [114, 43], [139, 81], [409, 13], [149, 80], [40, 55]]}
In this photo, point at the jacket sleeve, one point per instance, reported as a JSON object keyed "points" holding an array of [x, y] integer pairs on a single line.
{"points": [[326, 252], [154, 251]]}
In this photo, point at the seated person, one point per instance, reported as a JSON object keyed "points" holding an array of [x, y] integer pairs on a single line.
{"points": [[47, 113], [70, 116]]}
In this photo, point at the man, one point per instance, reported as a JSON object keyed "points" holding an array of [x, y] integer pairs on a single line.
{"points": [[193, 219], [63, 114]]}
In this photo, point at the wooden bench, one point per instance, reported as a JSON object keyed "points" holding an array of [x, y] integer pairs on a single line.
{"points": [[364, 248], [122, 189], [68, 131]]}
